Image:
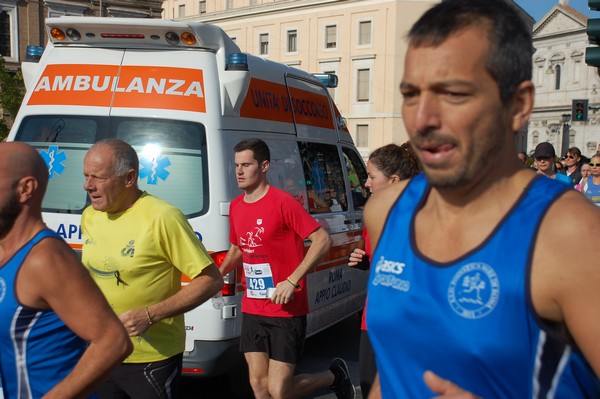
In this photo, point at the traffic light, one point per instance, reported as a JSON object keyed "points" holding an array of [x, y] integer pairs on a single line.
{"points": [[579, 110], [592, 54]]}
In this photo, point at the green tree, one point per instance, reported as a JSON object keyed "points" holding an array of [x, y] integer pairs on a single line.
{"points": [[12, 91]]}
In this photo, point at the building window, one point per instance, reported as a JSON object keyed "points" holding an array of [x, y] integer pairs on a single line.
{"points": [[331, 36], [57, 8], [263, 43], [557, 72], [292, 41], [576, 70], [5, 43], [181, 11], [364, 33], [362, 135], [9, 45], [229, 5], [202, 6], [363, 77], [539, 75]]}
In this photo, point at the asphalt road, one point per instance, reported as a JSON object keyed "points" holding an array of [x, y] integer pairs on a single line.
{"points": [[340, 340]]}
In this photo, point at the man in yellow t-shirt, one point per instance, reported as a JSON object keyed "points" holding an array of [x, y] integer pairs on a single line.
{"points": [[136, 248]]}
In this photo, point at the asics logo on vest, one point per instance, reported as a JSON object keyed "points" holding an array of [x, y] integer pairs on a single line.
{"points": [[386, 272], [388, 266]]}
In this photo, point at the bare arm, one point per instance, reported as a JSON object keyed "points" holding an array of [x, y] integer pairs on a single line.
{"points": [[564, 283], [199, 290], [69, 290], [320, 206], [320, 244], [232, 260]]}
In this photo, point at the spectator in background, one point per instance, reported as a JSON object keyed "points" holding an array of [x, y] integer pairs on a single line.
{"points": [[573, 163], [522, 155], [386, 165], [544, 156], [586, 171], [591, 184], [316, 204], [330, 196]]}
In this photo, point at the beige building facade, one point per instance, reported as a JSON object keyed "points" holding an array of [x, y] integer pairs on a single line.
{"points": [[561, 75], [361, 41]]}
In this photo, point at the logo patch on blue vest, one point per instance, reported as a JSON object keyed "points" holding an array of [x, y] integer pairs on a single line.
{"points": [[474, 291]]}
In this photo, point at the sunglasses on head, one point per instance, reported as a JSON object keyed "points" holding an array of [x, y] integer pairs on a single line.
{"points": [[593, 165]]}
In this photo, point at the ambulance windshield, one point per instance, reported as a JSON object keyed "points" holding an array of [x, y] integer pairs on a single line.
{"points": [[172, 154]]}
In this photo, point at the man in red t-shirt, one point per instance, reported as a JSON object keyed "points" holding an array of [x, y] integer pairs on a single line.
{"points": [[267, 231]]}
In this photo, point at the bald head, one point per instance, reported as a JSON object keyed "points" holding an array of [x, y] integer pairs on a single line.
{"points": [[124, 157], [23, 182], [19, 160]]}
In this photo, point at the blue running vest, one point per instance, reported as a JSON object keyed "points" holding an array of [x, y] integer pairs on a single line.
{"points": [[470, 320], [37, 350]]}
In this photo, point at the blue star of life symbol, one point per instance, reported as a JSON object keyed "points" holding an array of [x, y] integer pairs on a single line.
{"points": [[54, 160], [154, 169]]}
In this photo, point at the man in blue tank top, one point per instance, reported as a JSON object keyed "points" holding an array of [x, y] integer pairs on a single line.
{"points": [[471, 291], [59, 338]]}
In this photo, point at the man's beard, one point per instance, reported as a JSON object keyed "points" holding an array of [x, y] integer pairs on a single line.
{"points": [[9, 213], [475, 159]]}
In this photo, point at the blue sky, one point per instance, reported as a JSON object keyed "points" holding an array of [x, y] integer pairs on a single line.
{"points": [[538, 8]]}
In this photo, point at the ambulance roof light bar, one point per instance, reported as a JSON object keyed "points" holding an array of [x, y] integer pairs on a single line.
{"points": [[74, 36], [138, 32]]}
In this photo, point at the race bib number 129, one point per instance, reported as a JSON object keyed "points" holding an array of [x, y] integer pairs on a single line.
{"points": [[259, 280]]}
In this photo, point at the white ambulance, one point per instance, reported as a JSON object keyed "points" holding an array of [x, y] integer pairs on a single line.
{"points": [[183, 94]]}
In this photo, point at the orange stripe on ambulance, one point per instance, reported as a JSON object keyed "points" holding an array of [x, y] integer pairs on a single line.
{"points": [[132, 86], [84, 83]]}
